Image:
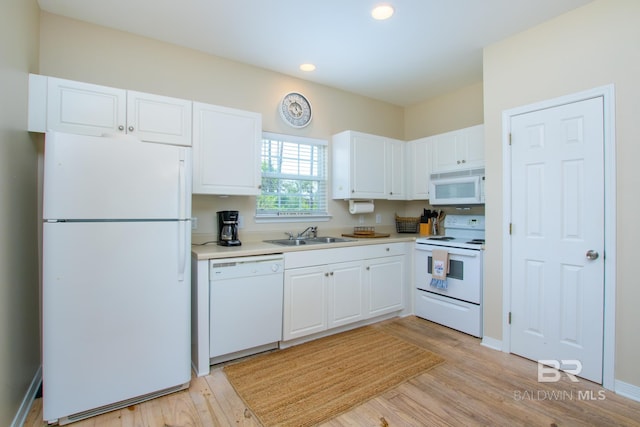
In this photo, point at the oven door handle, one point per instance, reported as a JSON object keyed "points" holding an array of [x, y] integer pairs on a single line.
{"points": [[452, 251]]}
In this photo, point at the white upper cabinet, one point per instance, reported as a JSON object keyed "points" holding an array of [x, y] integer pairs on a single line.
{"points": [[457, 150], [359, 164], [88, 109], [396, 170], [367, 167], [419, 168], [226, 150], [158, 118]]}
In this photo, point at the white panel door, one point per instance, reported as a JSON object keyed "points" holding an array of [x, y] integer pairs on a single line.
{"points": [[557, 215]]}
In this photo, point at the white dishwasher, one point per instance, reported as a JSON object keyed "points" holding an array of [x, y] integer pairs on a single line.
{"points": [[245, 306]]}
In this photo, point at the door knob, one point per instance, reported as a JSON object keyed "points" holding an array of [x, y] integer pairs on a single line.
{"points": [[592, 255]]}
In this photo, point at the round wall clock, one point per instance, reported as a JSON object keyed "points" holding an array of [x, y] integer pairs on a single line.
{"points": [[295, 110]]}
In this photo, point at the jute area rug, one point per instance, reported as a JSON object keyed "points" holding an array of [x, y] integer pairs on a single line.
{"points": [[315, 381]]}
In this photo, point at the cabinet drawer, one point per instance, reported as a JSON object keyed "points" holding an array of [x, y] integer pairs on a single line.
{"points": [[352, 253]]}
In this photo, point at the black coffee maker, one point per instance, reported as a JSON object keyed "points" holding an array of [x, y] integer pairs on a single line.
{"points": [[228, 228]]}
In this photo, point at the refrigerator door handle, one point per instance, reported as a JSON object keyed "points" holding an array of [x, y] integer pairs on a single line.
{"points": [[182, 248], [182, 186]]}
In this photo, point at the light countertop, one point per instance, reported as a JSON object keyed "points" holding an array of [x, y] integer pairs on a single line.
{"points": [[252, 248]]}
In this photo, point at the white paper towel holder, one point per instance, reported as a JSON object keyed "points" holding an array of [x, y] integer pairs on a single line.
{"points": [[355, 206]]}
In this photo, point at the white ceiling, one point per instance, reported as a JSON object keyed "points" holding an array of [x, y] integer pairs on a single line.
{"points": [[427, 48]]}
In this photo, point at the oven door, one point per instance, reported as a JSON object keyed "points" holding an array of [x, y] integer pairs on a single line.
{"points": [[464, 280]]}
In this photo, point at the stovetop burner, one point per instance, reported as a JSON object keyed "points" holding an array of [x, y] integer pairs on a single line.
{"points": [[445, 238], [476, 241]]}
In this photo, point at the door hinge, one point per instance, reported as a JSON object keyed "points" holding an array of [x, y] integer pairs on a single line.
{"points": [[510, 228], [509, 138], [509, 317]]}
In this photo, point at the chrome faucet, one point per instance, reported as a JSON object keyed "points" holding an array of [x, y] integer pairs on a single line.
{"points": [[309, 232]]}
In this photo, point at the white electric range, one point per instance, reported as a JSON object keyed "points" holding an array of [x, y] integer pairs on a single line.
{"points": [[459, 304]]}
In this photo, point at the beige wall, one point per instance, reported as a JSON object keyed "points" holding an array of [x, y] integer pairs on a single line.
{"points": [[592, 46], [81, 51], [19, 301], [589, 47], [454, 110]]}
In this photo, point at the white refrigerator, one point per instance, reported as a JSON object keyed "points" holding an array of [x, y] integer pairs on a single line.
{"points": [[116, 273]]}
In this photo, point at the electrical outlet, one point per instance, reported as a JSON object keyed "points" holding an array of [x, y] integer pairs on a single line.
{"points": [[194, 223], [378, 219]]}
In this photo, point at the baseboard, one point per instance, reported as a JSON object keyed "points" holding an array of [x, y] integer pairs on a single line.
{"points": [[492, 343], [27, 401], [627, 390]]}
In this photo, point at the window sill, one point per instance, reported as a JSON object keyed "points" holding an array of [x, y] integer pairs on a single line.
{"points": [[262, 218]]}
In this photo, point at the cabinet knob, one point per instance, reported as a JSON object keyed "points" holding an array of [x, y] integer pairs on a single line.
{"points": [[130, 128], [464, 161], [368, 267], [120, 127], [326, 274], [388, 249], [458, 162], [331, 273]]}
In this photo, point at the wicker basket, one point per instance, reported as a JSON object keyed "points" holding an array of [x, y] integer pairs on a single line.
{"points": [[407, 224]]}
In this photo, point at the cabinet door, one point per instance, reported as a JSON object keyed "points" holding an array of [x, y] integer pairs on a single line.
{"points": [[156, 118], [226, 150], [419, 161], [473, 153], [385, 277], [445, 152], [368, 166], [305, 302], [346, 303], [84, 108], [458, 150], [395, 173]]}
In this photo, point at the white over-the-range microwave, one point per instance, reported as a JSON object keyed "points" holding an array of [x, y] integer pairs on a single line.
{"points": [[457, 188]]}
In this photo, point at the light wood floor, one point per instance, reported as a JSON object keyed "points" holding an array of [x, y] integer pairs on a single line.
{"points": [[475, 386]]}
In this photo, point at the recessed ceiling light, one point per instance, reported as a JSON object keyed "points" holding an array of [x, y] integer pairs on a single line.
{"points": [[382, 12], [307, 67]]}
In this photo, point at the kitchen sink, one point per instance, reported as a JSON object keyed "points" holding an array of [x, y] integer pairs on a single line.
{"points": [[310, 241], [327, 240], [287, 242]]}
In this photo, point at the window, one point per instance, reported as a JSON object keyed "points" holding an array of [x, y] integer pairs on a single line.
{"points": [[294, 178]]}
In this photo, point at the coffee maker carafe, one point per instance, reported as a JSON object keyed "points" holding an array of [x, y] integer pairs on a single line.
{"points": [[228, 228]]}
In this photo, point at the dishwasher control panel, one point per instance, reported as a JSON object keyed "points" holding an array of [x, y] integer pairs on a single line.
{"points": [[229, 268]]}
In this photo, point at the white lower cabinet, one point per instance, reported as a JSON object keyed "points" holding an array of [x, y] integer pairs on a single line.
{"points": [[305, 300], [346, 294], [369, 282], [384, 280]]}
